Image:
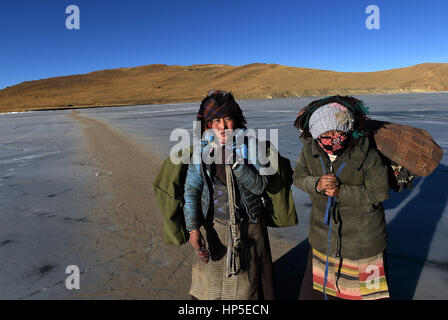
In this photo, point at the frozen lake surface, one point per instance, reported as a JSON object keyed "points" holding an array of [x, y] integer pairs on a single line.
{"points": [[44, 189]]}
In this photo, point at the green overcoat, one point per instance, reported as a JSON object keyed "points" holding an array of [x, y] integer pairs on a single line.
{"points": [[359, 226]]}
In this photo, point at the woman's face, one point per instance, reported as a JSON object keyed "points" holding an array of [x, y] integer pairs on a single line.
{"points": [[220, 126]]}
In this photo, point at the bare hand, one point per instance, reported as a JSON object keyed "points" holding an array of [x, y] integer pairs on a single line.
{"points": [[197, 242], [328, 181], [334, 192]]}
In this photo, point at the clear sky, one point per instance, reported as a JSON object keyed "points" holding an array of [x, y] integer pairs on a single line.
{"points": [[331, 35]]}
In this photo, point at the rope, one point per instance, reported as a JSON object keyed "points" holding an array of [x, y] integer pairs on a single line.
{"points": [[233, 248], [327, 221]]}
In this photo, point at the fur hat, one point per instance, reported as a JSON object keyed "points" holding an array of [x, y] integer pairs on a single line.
{"points": [[329, 117]]}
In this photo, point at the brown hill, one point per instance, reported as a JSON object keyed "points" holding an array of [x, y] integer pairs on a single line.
{"points": [[165, 84]]}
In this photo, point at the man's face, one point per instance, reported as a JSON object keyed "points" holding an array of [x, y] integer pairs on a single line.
{"points": [[220, 125]]}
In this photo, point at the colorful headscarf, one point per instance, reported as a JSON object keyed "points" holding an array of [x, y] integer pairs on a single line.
{"points": [[220, 104]]}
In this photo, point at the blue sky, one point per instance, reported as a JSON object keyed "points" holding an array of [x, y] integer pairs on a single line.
{"points": [[331, 35]]}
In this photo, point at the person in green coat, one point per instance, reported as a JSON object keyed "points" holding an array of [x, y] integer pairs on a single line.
{"points": [[347, 181]]}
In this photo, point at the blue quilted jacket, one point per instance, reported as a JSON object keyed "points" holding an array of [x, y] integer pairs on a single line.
{"points": [[198, 194]]}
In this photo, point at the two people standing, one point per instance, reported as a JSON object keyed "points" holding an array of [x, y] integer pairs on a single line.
{"points": [[225, 207]]}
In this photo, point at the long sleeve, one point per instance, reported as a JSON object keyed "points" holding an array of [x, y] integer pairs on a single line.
{"points": [[250, 178], [302, 177], [192, 195], [376, 184]]}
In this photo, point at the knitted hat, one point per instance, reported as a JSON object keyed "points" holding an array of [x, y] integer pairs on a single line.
{"points": [[329, 117]]}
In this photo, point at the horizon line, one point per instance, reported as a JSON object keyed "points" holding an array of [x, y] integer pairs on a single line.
{"points": [[217, 64]]}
